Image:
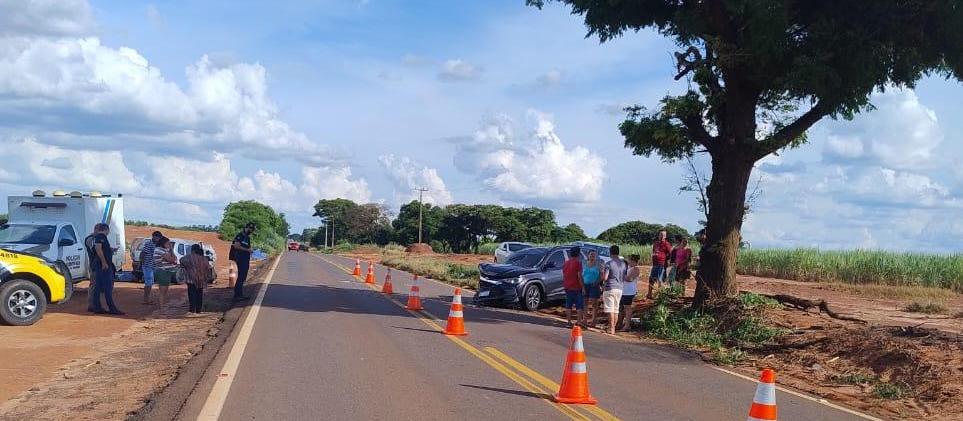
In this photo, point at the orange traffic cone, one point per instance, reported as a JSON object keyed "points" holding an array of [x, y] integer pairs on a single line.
{"points": [[575, 386], [414, 299], [387, 288], [764, 403], [456, 317], [357, 267], [369, 278]]}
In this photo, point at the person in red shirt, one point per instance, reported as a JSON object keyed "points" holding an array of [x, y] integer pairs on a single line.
{"points": [[682, 257], [660, 254], [574, 285]]}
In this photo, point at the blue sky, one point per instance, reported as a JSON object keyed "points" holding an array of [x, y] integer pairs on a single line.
{"points": [[185, 106]]}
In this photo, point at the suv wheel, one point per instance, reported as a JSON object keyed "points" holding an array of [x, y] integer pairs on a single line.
{"points": [[531, 297], [22, 302]]}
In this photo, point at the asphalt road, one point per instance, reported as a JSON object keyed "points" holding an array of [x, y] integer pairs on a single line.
{"points": [[325, 346]]}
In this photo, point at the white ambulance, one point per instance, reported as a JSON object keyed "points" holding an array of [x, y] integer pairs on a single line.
{"points": [[54, 227]]}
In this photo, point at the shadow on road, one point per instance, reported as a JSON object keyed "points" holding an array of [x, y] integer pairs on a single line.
{"points": [[510, 391]]}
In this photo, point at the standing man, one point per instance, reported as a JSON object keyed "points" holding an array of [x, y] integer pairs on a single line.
{"points": [[101, 257], [574, 285], [241, 255], [147, 263], [660, 254], [615, 273]]}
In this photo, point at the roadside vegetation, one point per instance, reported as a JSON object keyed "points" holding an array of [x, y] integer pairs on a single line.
{"points": [[272, 227], [725, 327], [433, 267]]}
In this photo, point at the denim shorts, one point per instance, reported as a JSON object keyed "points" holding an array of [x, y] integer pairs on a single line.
{"points": [[593, 291], [627, 300], [658, 271], [148, 276], [574, 298]]}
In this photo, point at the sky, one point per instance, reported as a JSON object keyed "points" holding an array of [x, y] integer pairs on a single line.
{"points": [[186, 106]]}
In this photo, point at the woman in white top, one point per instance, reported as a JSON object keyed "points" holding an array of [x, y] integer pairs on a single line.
{"points": [[629, 290]]}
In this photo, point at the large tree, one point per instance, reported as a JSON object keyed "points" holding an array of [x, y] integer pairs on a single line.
{"points": [[406, 224], [762, 72]]}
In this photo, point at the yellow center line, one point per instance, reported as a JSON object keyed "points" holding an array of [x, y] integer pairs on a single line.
{"points": [[545, 382], [427, 318]]}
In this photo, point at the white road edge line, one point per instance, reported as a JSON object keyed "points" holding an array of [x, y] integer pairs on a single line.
{"points": [[222, 385], [732, 373], [802, 395]]}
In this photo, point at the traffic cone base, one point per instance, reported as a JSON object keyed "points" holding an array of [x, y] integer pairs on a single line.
{"points": [[764, 402], [456, 317], [387, 288], [574, 388], [414, 297], [369, 278]]}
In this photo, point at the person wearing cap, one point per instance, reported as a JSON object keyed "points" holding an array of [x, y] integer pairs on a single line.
{"points": [[241, 255]]}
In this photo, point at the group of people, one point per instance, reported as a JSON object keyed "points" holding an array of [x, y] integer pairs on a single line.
{"points": [[192, 269], [614, 284]]}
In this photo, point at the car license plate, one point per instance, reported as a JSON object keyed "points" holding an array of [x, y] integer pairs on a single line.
{"points": [[483, 293]]}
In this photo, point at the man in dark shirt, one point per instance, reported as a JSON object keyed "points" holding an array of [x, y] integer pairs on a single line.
{"points": [[241, 255], [100, 255]]}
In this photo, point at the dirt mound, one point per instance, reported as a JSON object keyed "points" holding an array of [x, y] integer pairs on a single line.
{"points": [[419, 248], [899, 372]]}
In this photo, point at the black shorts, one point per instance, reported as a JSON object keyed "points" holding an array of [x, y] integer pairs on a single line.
{"points": [[627, 300]]}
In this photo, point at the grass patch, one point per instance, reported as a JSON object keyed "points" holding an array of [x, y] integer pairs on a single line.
{"points": [[855, 267], [892, 391], [435, 268], [722, 327], [853, 378], [926, 307]]}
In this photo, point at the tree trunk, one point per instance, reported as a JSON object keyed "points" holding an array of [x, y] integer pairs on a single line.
{"points": [[716, 276]]}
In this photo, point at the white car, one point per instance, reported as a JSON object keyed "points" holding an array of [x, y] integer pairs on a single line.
{"points": [[506, 249]]}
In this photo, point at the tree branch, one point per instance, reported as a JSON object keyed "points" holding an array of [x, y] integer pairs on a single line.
{"points": [[792, 131], [695, 128]]}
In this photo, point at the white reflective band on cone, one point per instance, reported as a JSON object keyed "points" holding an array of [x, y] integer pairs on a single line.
{"points": [[457, 299], [577, 346], [578, 368], [756, 419], [454, 313], [765, 394]]}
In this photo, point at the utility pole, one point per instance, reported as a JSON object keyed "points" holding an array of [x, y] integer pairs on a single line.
{"points": [[421, 208]]}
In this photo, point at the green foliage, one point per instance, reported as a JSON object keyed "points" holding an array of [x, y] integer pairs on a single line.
{"points": [[367, 223], [853, 378], [892, 391], [701, 329], [3, 218], [639, 232], [568, 234], [855, 267], [406, 224], [271, 226]]}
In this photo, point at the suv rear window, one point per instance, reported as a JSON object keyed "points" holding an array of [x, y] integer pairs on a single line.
{"points": [[517, 247]]}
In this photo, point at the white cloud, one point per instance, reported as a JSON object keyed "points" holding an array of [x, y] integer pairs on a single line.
{"points": [[551, 78], [406, 175], [459, 70], [45, 17], [537, 167], [901, 133], [28, 162], [77, 87]]}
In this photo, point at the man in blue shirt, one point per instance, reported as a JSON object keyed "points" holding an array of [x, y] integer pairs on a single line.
{"points": [[101, 256], [241, 255]]}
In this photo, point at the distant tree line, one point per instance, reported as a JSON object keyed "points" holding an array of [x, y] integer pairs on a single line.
{"points": [[198, 228], [459, 228]]}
